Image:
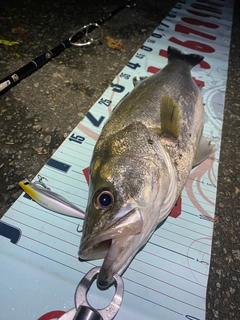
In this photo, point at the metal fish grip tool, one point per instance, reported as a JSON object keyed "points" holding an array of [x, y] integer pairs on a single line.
{"points": [[83, 310]]}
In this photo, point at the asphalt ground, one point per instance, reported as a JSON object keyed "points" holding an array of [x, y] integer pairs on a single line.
{"points": [[38, 113]]}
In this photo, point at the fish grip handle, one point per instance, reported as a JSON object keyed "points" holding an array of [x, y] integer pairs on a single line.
{"points": [[83, 310]]}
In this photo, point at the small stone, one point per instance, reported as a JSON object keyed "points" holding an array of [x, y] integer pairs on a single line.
{"points": [[38, 149], [232, 290], [48, 139], [215, 312], [236, 254], [219, 272], [19, 154], [10, 187], [16, 194], [37, 127], [216, 302]]}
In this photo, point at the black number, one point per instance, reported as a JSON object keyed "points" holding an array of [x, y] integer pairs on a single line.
{"points": [[191, 318], [106, 102], [125, 75], [165, 25], [93, 120], [117, 87], [156, 35], [146, 48], [201, 216], [171, 15], [10, 232], [133, 65], [77, 139], [140, 55]]}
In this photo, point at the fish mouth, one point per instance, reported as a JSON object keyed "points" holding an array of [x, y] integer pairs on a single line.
{"points": [[112, 245], [111, 250]]}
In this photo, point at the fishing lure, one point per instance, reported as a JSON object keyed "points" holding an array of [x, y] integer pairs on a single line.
{"points": [[49, 199]]}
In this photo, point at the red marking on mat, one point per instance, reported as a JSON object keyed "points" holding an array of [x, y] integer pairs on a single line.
{"points": [[200, 23], [177, 209], [152, 69], [86, 174], [195, 45], [199, 82], [163, 53], [88, 131], [56, 314], [206, 8], [204, 65], [201, 14], [187, 30]]}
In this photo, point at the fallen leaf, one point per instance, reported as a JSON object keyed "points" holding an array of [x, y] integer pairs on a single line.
{"points": [[19, 30], [114, 43], [8, 43]]}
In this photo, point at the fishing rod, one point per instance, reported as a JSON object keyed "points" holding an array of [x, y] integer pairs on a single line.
{"points": [[84, 32]]}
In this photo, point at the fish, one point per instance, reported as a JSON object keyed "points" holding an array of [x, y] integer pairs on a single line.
{"points": [[51, 200], [141, 162]]}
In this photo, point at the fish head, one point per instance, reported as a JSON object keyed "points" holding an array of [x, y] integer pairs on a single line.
{"points": [[125, 195]]}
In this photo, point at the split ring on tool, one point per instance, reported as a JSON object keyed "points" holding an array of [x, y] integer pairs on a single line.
{"points": [[83, 310]]}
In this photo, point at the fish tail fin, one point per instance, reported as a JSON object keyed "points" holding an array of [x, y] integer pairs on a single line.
{"points": [[192, 59]]}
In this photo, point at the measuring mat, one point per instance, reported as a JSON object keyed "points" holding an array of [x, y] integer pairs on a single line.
{"points": [[168, 277]]}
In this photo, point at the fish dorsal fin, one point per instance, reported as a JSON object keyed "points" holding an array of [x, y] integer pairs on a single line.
{"points": [[191, 59], [171, 116]]}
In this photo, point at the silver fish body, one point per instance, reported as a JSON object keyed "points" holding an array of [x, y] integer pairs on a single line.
{"points": [[141, 162]]}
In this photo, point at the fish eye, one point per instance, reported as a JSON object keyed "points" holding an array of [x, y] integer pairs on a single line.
{"points": [[104, 200]]}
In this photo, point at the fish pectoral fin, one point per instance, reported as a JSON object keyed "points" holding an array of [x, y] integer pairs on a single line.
{"points": [[204, 150], [171, 116], [136, 81]]}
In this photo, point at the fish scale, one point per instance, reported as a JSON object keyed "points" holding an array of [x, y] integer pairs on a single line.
{"points": [[141, 162]]}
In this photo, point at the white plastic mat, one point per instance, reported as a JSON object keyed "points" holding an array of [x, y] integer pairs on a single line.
{"points": [[168, 278]]}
